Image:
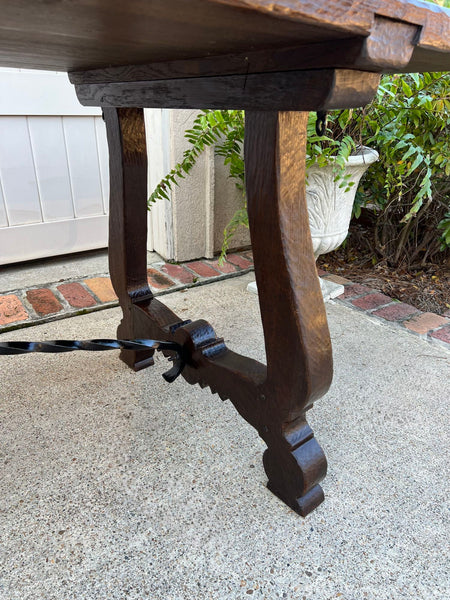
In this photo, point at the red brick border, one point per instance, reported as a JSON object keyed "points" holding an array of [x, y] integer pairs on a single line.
{"points": [[76, 295], [64, 299], [372, 302], [178, 272], [36, 305], [202, 269], [44, 301], [12, 310]]}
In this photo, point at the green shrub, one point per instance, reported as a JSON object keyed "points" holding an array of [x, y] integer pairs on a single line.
{"points": [[408, 122], [408, 189]]}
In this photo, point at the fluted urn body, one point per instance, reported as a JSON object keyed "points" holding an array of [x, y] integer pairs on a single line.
{"points": [[330, 206]]}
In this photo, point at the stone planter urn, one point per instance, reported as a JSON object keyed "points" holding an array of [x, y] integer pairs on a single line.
{"points": [[330, 207]]}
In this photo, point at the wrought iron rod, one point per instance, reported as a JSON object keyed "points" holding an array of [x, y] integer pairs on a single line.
{"points": [[99, 345]]}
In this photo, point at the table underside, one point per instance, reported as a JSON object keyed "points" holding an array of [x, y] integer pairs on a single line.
{"points": [[82, 35]]}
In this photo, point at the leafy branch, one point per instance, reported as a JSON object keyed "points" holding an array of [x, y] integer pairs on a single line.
{"points": [[222, 128], [408, 189]]}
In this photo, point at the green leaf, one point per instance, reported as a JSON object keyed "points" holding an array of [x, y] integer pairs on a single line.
{"points": [[417, 161]]}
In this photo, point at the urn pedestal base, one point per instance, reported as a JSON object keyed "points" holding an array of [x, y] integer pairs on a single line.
{"points": [[329, 289]]}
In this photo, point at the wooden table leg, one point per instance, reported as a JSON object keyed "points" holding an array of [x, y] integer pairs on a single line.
{"points": [[128, 219], [274, 398], [143, 315], [298, 348]]}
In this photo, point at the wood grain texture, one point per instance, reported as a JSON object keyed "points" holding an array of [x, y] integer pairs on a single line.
{"points": [[272, 398], [269, 56], [359, 16], [128, 220], [369, 54], [73, 35], [293, 58], [298, 347], [293, 90], [390, 45], [292, 309]]}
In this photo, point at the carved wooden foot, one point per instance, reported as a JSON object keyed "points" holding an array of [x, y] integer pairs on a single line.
{"points": [[295, 464]]}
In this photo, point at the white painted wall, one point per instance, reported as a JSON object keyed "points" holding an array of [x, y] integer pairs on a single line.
{"points": [[54, 182]]}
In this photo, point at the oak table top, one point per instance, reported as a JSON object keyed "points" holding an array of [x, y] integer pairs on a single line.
{"points": [[80, 35]]}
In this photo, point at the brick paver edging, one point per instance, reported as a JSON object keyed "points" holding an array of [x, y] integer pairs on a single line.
{"points": [[427, 325], [40, 304]]}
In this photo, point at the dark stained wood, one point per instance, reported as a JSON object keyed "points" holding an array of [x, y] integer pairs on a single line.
{"points": [[273, 399], [88, 34], [313, 56], [359, 16], [275, 145], [294, 90], [85, 34], [370, 54], [390, 45], [127, 229], [292, 309]]}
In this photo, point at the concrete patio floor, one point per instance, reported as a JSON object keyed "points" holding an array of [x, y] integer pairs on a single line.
{"points": [[117, 485]]}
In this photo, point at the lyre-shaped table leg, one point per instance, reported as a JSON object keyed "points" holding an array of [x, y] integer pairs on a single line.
{"points": [[274, 398], [127, 230], [298, 348]]}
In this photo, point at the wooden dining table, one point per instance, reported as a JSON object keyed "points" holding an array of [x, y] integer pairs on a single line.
{"points": [[277, 60]]}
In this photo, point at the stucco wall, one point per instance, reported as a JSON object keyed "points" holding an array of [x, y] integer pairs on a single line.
{"points": [[190, 225], [227, 200]]}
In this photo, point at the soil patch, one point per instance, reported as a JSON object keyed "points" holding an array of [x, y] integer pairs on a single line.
{"points": [[426, 287]]}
